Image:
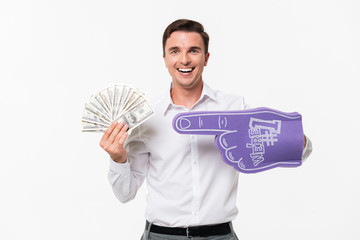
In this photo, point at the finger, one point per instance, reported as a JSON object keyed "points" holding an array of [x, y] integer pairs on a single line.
{"points": [[114, 133], [231, 139], [123, 138], [214, 123], [125, 128], [208, 123], [107, 133], [121, 133]]}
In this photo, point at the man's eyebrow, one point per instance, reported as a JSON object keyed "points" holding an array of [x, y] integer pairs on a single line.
{"points": [[173, 48], [191, 48], [195, 47]]}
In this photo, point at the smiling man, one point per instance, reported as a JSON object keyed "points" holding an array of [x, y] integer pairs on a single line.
{"points": [[185, 58], [191, 191]]}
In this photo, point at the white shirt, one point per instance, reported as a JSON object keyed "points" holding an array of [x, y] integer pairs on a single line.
{"points": [[188, 182]]}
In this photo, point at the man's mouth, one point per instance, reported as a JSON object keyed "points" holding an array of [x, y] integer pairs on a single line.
{"points": [[186, 70]]}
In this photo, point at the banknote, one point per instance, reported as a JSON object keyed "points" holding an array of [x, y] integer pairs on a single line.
{"points": [[137, 115], [119, 102]]}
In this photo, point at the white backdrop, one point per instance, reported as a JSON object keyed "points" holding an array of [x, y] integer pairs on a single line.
{"points": [[289, 55]]}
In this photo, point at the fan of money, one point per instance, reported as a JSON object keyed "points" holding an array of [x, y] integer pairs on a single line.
{"points": [[252, 140], [118, 102]]}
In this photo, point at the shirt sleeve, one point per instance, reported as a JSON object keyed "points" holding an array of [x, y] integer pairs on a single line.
{"points": [[126, 178], [307, 149]]}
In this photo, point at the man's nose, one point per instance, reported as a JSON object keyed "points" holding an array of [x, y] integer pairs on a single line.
{"points": [[185, 59]]}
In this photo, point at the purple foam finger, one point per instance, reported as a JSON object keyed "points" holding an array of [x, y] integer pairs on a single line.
{"points": [[250, 140]]}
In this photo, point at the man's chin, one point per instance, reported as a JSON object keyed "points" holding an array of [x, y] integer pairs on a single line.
{"points": [[189, 84]]}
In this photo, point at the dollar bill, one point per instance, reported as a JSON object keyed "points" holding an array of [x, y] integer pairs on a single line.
{"points": [[137, 115], [117, 106], [92, 118], [93, 127], [94, 109], [118, 102]]}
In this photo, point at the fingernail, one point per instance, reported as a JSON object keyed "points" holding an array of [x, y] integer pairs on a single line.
{"points": [[184, 123]]}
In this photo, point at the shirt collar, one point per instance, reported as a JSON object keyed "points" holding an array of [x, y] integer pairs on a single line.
{"points": [[167, 102]]}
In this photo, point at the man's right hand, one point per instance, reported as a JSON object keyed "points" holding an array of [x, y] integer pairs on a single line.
{"points": [[113, 141]]}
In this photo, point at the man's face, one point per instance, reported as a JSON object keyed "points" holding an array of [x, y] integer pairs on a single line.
{"points": [[185, 58]]}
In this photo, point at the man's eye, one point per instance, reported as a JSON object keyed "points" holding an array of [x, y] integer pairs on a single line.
{"points": [[194, 51], [174, 52]]}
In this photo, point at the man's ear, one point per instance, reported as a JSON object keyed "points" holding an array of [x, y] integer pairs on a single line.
{"points": [[206, 58]]}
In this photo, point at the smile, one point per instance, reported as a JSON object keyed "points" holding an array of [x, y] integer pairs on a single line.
{"points": [[185, 70]]}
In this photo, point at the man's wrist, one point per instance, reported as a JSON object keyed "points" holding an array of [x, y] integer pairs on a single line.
{"points": [[120, 161], [119, 158], [119, 167]]}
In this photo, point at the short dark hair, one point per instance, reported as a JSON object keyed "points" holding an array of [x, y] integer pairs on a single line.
{"points": [[187, 26]]}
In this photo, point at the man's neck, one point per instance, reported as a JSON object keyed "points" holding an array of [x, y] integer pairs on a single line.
{"points": [[186, 96]]}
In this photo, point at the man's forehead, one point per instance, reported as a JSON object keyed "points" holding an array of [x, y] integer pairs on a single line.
{"points": [[184, 38]]}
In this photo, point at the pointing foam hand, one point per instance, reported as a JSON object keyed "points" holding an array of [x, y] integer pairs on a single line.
{"points": [[250, 140]]}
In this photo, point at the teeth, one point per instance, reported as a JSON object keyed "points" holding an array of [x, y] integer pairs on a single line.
{"points": [[185, 70]]}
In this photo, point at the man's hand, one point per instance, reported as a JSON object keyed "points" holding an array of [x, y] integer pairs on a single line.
{"points": [[250, 140], [113, 141]]}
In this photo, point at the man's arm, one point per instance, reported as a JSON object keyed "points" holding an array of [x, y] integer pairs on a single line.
{"points": [[126, 174]]}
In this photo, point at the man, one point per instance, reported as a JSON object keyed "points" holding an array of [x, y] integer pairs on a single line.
{"points": [[192, 192]]}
